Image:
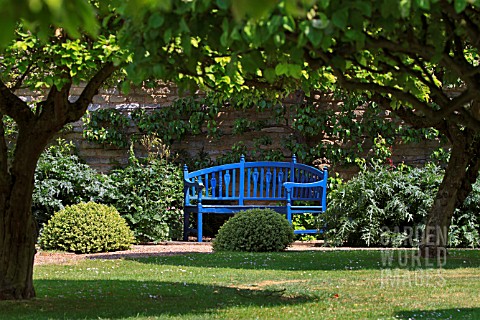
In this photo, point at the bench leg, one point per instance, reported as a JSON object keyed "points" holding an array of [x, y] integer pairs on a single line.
{"points": [[289, 214], [200, 227], [186, 224]]}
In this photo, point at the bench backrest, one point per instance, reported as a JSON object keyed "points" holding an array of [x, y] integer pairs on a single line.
{"points": [[248, 181]]}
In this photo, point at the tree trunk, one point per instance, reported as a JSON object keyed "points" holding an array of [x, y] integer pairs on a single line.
{"points": [[35, 128], [17, 249], [461, 172], [17, 226]]}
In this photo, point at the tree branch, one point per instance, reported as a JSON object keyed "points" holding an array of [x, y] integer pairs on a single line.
{"points": [[426, 52], [435, 118], [13, 106], [4, 176], [78, 108], [465, 118], [471, 28], [397, 93], [406, 114], [472, 173], [457, 103], [19, 81], [430, 82]]}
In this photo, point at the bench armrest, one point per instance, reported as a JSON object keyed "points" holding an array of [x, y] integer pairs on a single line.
{"points": [[196, 184], [291, 185]]}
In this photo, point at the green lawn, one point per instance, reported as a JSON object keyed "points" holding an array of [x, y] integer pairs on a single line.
{"points": [[288, 285]]}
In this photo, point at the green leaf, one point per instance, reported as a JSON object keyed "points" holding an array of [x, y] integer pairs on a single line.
{"points": [[288, 23], [156, 20], [281, 69], [460, 5], [365, 7], [225, 38], [8, 26], [340, 18], [326, 43], [295, 71], [274, 24], [223, 4], [186, 44], [270, 75], [279, 39], [322, 22], [252, 8], [423, 4], [323, 4], [405, 6], [389, 9], [167, 35], [288, 69], [184, 26], [314, 35], [339, 63]]}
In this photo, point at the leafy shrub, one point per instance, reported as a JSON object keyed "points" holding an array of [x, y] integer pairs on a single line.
{"points": [[304, 222], [384, 206], [360, 210], [465, 226], [61, 179], [254, 230], [150, 197], [86, 228]]}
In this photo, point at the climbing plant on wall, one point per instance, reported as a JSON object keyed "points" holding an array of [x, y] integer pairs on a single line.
{"points": [[341, 133], [348, 130]]}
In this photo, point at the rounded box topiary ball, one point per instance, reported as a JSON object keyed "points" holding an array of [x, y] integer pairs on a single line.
{"points": [[254, 230], [86, 228]]}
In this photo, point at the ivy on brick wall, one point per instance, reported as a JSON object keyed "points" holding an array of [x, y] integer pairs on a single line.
{"points": [[348, 130], [339, 131], [186, 116], [108, 126]]}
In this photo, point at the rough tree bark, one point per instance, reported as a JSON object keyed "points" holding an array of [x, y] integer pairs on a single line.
{"points": [[460, 174], [35, 129], [17, 226]]}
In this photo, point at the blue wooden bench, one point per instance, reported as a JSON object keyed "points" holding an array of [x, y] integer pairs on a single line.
{"points": [[230, 188]]}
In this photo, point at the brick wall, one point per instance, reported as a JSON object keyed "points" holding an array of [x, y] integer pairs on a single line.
{"points": [[103, 157]]}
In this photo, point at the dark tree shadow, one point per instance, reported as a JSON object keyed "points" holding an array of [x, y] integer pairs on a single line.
{"points": [[320, 260], [455, 313], [116, 299]]}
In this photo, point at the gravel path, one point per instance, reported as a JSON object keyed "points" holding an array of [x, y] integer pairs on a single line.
{"points": [[139, 251]]}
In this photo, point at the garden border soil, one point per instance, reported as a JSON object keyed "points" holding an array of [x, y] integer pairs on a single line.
{"points": [[163, 249], [142, 251]]}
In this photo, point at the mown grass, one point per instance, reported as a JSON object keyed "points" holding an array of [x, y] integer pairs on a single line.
{"points": [[288, 285]]}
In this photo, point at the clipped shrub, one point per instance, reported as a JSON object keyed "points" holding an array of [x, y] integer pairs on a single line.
{"points": [[254, 230], [62, 179], [86, 228], [150, 197]]}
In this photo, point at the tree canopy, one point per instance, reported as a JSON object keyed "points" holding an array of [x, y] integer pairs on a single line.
{"points": [[418, 58], [75, 16]]}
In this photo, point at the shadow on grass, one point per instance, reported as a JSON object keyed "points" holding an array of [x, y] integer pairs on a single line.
{"points": [[117, 299], [321, 260], [456, 313]]}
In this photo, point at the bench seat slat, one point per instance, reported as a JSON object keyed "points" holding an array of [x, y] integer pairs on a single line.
{"points": [[220, 209], [305, 207], [309, 231], [305, 211]]}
